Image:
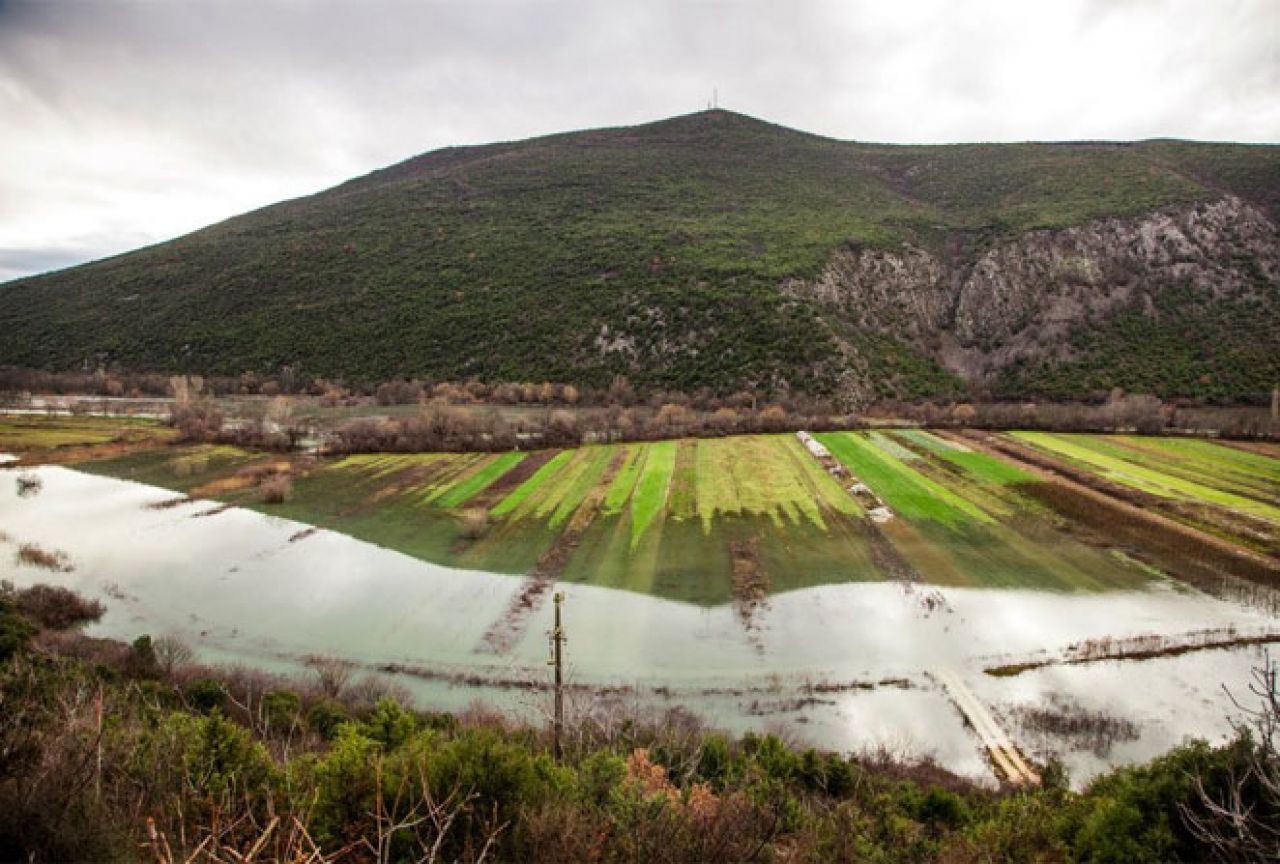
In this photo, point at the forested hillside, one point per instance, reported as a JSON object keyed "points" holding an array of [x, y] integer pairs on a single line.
{"points": [[715, 250]]}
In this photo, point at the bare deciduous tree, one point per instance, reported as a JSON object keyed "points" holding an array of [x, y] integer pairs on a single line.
{"points": [[332, 674], [172, 654], [1240, 820]]}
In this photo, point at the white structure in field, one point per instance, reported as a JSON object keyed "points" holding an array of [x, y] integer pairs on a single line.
{"points": [[813, 446]]}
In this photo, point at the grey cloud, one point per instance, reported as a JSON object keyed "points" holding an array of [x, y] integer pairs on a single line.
{"points": [[147, 119]]}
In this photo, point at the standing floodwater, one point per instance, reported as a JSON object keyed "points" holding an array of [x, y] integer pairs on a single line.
{"points": [[845, 666]]}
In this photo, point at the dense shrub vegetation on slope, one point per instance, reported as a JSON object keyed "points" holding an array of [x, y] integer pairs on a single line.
{"points": [[658, 251], [114, 752]]}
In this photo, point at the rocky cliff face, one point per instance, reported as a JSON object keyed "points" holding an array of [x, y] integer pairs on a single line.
{"points": [[1025, 301]]}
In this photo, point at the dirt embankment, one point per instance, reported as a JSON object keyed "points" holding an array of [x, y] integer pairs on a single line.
{"points": [[1146, 646], [750, 583]]}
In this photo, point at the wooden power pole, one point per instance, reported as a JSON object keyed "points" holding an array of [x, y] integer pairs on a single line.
{"points": [[557, 660]]}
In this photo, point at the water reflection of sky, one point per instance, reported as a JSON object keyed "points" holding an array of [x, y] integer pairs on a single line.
{"points": [[234, 584]]}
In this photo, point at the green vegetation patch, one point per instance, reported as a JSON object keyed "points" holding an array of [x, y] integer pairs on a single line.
{"points": [[615, 500], [528, 487], [675, 516], [459, 493], [22, 433], [1096, 455], [908, 493], [754, 476], [650, 496]]}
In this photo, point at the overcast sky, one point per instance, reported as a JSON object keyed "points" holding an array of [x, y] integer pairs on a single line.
{"points": [[125, 123]]}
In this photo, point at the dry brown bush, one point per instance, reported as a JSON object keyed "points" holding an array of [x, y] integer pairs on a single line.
{"points": [[30, 553], [333, 675], [276, 489], [474, 523], [55, 607]]}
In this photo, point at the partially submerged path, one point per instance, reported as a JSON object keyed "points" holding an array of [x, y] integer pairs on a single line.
{"points": [[1003, 752]]}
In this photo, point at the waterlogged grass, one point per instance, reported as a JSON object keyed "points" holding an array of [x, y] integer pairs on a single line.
{"points": [[21, 434], [907, 492], [980, 466], [650, 496], [479, 480], [1124, 465], [754, 476], [687, 519], [615, 500], [684, 482], [182, 469], [525, 489]]}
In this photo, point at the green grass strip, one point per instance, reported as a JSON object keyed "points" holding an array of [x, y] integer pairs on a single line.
{"points": [[684, 481], [596, 463], [527, 488], [906, 491], [823, 485], [544, 503], [650, 495], [1203, 462], [459, 493], [988, 469], [1077, 448], [615, 500]]}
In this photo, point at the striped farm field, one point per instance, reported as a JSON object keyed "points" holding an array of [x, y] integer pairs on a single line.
{"points": [[1228, 491], [691, 519], [960, 518]]}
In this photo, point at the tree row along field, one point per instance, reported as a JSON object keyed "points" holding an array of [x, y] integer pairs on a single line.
{"points": [[712, 520]]}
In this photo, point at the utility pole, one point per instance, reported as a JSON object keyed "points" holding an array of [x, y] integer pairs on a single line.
{"points": [[557, 660]]}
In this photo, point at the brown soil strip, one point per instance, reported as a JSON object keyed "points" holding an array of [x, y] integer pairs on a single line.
{"points": [[303, 534], [1108, 520], [404, 481], [750, 583], [1256, 533], [506, 631], [886, 557], [86, 452], [509, 482], [1259, 448], [245, 478], [1123, 651]]}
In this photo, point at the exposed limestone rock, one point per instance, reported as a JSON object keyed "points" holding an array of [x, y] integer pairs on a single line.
{"points": [[1022, 298]]}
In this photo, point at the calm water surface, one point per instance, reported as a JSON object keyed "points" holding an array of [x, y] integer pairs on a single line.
{"points": [[243, 587]]}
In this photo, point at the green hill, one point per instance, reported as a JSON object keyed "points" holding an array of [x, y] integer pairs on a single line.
{"points": [[717, 250]]}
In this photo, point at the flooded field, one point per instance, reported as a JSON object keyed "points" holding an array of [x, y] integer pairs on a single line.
{"points": [[1034, 638]]}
